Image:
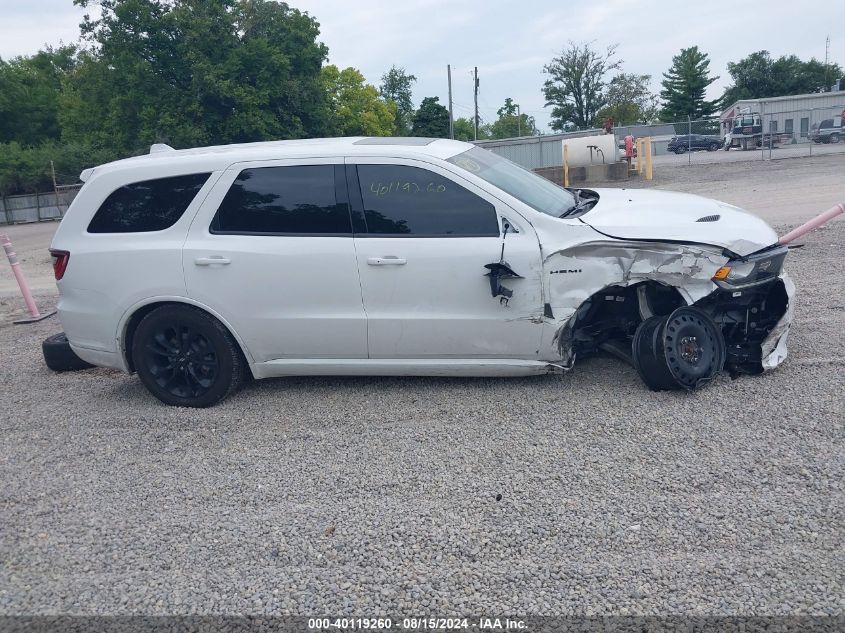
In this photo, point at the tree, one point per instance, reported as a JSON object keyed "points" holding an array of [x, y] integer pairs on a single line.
{"points": [[629, 101], [29, 95], [396, 86], [356, 106], [759, 76], [684, 86], [576, 87], [465, 130], [432, 119], [189, 72], [511, 124]]}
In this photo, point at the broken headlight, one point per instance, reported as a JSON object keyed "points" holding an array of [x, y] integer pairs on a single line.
{"points": [[752, 270]]}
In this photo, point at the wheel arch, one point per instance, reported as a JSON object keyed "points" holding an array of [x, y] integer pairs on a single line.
{"points": [[132, 317], [632, 304]]}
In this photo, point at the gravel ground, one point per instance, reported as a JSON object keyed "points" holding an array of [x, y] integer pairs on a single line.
{"points": [[576, 494]]}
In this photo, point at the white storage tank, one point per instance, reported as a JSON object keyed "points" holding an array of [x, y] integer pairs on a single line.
{"points": [[591, 150]]}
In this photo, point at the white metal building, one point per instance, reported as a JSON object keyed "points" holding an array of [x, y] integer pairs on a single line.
{"points": [[793, 114]]}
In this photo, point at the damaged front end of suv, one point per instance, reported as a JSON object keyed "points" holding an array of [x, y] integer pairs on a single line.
{"points": [[679, 314], [679, 285]]}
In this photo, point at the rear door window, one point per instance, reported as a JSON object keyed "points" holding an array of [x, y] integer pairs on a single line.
{"points": [[150, 205], [405, 200], [288, 200]]}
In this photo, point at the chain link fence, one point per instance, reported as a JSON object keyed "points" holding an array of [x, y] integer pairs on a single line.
{"points": [[766, 134]]}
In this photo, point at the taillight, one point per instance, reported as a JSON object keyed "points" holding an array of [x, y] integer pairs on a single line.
{"points": [[60, 260]]}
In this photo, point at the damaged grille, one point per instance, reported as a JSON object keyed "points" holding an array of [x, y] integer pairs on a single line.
{"points": [[709, 218]]}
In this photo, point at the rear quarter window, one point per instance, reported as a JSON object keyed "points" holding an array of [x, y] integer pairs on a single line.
{"points": [[150, 205]]}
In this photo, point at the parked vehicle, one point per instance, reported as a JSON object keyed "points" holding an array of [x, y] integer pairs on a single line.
{"points": [[747, 133], [201, 268], [694, 142], [827, 131]]}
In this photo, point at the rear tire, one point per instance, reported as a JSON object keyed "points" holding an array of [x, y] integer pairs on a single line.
{"points": [[59, 356], [185, 357]]}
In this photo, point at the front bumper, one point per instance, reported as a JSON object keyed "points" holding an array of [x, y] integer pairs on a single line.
{"points": [[754, 321], [773, 348]]}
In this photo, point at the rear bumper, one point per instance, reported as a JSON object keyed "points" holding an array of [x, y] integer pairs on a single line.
{"points": [[100, 358]]}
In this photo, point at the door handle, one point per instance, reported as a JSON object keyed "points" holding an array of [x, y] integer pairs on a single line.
{"points": [[214, 259], [387, 260]]}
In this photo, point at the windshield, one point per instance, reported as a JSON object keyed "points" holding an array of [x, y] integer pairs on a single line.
{"points": [[535, 191]]}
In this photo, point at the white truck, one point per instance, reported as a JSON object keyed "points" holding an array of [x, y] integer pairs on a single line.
{"points": [[747, 133]]}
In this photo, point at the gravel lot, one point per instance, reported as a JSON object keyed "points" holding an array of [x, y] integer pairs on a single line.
{"points": [[575, 494]]}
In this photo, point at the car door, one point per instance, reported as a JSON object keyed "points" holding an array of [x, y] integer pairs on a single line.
{"points": [[426, 236], [272, 252]]}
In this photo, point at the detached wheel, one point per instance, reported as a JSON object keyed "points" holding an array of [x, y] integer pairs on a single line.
{"points": [[185, 357], [693, 347], [681, 351], [59, 356], [646, 354]]}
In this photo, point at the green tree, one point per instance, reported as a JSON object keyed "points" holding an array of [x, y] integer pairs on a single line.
{"points": [[29, 95], [576, 85], [432, 119], [629, 101], [396, 85], [356, 106], [511, 123], [684, 87], [464, 130], [759, 76], [190, 72]]}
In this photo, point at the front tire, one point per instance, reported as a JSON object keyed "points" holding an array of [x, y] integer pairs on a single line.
{"points": [[185, 357], [680, 149], [712, 147], [834, 138]]}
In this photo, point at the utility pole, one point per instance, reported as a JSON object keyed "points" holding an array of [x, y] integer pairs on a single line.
{"points": [[827, 61], [475, 91], [518, 121], [451, 118]]}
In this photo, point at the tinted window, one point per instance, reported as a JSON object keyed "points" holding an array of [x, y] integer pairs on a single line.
{"points": [[151, 205], [400, 200], [300, 199]]}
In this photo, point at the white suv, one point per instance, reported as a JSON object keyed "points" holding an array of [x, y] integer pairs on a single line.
{"points": [[200, 268]]}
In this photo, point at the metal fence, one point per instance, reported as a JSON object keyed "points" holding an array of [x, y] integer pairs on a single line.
{"points": [[782, 134], [37, 207]]}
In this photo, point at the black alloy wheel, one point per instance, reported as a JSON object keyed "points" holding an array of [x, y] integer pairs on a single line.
{"points": [[185, 357]]}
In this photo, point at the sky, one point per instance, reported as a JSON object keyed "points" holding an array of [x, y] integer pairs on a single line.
{"points": [[509, 41]]}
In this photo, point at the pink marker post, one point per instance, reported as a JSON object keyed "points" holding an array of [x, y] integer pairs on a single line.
{"points": [[813, 224], [27, 295]]}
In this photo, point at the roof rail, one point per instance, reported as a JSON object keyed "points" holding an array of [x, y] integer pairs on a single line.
{"points": [[160, 147]]}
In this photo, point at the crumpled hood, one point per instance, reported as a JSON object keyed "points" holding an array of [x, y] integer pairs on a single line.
{"points": [[636, 214]]}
